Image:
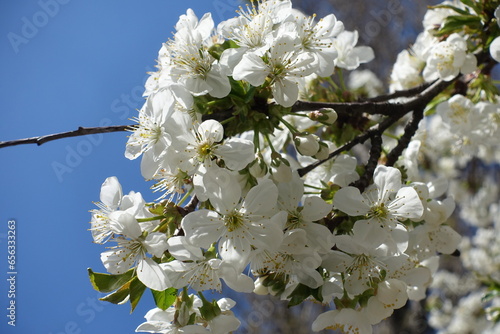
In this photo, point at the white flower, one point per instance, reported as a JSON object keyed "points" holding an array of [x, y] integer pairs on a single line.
{"points": [[200, 144], [190, 64], [294, 257], [285, 65], [391, 295], [385, 202], [238, 228], [351, 56], [226, 321], [313, 208], [495, 45], [366, 81], [151, 132], [362, 257], [132, 248], [347, 320], [449, 58], [340, 170], [201, 271], [317, 39], [159, 321], [112, 199], [307, 144], [434, 18]]}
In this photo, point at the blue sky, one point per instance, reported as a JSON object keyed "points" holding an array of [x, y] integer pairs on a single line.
{"points": [[66, 64]]}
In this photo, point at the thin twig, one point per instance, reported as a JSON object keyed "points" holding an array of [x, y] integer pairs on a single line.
{"points": [[400, 93], [410, 130], [375, 153], [417, 103], [81, 131]]}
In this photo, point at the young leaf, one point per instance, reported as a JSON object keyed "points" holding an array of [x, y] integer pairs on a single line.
{"points": [[120, 296], [164, 299], [299, 294], [107, 282], [136, 290]]}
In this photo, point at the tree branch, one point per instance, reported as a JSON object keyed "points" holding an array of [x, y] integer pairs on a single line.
{"points": [[417, 103], [410, 130], [375, 153], [81, 131]]}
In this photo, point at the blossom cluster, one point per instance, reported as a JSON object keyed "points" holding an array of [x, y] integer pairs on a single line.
{"points": [[226, 147]]}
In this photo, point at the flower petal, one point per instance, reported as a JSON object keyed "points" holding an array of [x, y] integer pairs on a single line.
{"points": [[151, 275]]}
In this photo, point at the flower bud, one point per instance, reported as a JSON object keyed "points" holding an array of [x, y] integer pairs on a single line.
{"points": [[280, 168], [307, 145], [326, 116], [258, 167], [323, 152]]}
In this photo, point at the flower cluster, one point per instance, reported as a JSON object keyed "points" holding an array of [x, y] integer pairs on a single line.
{"points": [[260, 191]]}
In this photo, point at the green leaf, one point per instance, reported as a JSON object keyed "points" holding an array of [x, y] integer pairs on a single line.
{"points": [[473, 4], [164, 299], [136, 290], [120, 296], [237, 88], [107, 282], [456, 9], [490, 295], [456, 23], [299, 294]]}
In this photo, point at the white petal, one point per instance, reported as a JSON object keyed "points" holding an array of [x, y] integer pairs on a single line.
{"points": [[261, 199], [315, 208], [388, 181], [363, 53], [152, 275], [156, 243], [324, 320], [122, 222], [350, 201], [117, 262], [224, 323], [251, 68], [111, 192], [218, 82], [407, 204], [236, 280], [202, 227], [495, 49], [179, 248], [222, 188], [285, 92], [237, 153], [446, 239], [211, 130]]}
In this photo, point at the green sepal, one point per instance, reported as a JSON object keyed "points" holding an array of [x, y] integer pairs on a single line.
{"points": [[107, 282], [209, 310], [164, 299], [363, 298]]}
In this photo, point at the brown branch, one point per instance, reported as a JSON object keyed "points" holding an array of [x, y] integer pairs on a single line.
{"points": [[375, 153], [410, 130], [374, 106], [417, 103], [401, 93], [81, 131]]}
